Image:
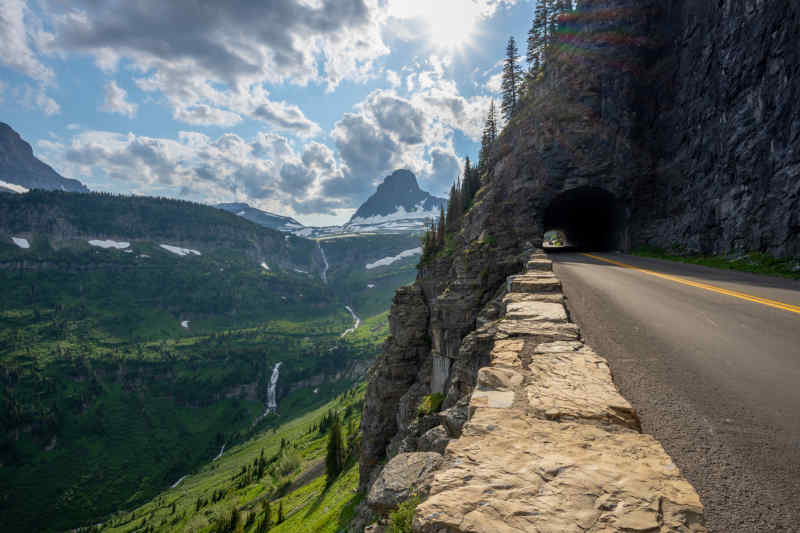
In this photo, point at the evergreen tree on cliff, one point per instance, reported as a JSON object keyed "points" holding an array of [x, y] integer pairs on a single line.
{"points": [[334, 459], [512, 76], [487, 140]]}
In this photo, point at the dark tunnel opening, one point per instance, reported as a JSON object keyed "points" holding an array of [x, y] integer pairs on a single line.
{"points": [[585, 218]]}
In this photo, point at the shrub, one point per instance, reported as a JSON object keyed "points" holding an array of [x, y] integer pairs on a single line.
{"points": [[400, 520], [430, 404]]}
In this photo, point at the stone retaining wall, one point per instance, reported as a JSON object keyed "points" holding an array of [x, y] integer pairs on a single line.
{"points": [[551, 445]]}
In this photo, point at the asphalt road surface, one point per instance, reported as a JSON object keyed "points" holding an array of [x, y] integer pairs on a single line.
{"points": [[710, 359]]}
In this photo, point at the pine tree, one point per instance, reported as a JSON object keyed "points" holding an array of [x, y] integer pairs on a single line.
{"points": [[539, 34], [466, 187], [491, 123], [450, 221], [440, 229], [512, 75], [280, 511], [334, 459]]}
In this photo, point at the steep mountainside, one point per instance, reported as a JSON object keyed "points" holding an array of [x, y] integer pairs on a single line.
{"points": [[672, 124], [398, 204], [264, 218], [19, 166], [140, 335]]}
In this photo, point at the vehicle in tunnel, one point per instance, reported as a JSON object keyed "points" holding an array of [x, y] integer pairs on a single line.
{"points": [[588, 218], [555, 239]]}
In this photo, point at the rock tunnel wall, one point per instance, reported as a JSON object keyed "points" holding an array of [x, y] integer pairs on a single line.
{"points": [[685, 111]]}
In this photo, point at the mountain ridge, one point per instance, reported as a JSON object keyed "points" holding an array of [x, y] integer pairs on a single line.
{"points": [[18, 166]]}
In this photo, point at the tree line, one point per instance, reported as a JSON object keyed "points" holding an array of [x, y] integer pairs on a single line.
{"points": [[549, 19]]}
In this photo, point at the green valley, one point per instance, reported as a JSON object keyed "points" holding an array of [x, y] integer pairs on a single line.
{"points": [[138, 337]]}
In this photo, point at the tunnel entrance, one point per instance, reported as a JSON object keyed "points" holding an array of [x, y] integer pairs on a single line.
{"points": [[585, 218]]}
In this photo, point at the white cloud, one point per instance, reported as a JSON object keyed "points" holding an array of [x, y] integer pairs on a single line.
{"points": [[495, 83], [19, 30], [115, 101], [37, 99], [221, 54], [2, 90], [265, 171], [393, 78], [205, 115]]}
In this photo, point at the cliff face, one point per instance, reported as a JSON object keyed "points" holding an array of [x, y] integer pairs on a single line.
{"points": [[667, 123]]}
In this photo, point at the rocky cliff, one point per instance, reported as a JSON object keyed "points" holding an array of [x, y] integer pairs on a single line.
{"points": [[663, 123]]}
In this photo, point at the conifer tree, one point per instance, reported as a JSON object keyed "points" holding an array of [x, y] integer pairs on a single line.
{"points": [[466, 186], [450, 221], [487, 140], [334, 459], [512, 75], [539, 34], [280, 512], [440, 228]]}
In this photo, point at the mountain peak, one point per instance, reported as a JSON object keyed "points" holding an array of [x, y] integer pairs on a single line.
{"points": [[398, 198], [18, 166]]}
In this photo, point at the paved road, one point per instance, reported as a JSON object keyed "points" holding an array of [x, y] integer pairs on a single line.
{"points": [[715, 378]]}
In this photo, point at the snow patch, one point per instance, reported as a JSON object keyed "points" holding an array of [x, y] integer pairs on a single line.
{"points": [[370, 285], [13, 187], [178, 250], [304, 232], [185, 324], [22, 243], [386, 261], [240, 213], [400, 214], [264, 265], [109, 244]]}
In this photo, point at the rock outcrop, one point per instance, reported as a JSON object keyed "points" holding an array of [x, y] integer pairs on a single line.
{"points": [[550, 444], [681, 120]]}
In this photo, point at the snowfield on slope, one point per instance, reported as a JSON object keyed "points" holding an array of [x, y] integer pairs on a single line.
{"points": [[109, 244], [386, 261], [21, 242], [178, 250], [13, 187]]}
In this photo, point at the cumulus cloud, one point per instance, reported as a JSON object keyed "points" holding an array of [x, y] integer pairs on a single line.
{"points": [[37, 99], [221, 54], [116, 101], [205, 115], [20, 32], [265, 170]]}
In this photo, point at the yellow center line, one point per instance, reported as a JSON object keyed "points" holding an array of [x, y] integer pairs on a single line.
{"points": [[750, 298]]}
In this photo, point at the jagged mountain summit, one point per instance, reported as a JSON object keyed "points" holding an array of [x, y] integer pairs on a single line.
{"points": [[20, 170], [398, 205], [264, 218]]}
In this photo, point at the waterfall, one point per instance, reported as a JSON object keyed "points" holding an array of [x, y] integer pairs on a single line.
{"points": [[356, 322], [220, 452], [324, 273], [177, 482], [272, 404]]}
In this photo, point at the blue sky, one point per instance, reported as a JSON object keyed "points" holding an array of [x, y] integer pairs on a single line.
{"points": [[299, 107]]}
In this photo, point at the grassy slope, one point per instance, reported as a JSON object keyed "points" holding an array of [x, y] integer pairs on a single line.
{"points": [[97, 365], [754, 262], [310, 507]]}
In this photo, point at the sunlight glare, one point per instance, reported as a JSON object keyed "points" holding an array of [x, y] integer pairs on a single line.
{"points": [[450, 24]]}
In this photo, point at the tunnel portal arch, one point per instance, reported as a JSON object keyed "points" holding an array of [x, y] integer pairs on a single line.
{"points": [[591, 218]]}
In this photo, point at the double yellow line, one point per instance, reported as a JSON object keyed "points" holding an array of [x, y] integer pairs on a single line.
{"points": [[704, 286]]}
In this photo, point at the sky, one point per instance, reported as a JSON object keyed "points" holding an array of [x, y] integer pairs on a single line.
{"points": [[298, 107]]}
